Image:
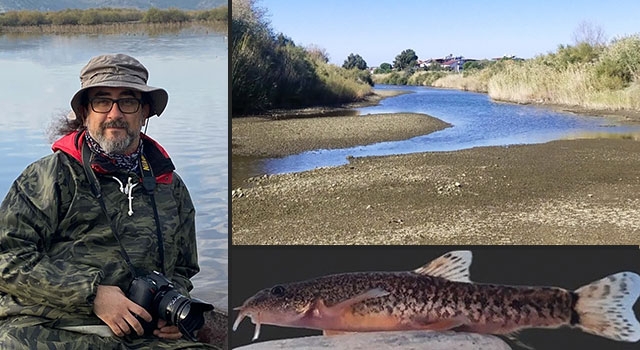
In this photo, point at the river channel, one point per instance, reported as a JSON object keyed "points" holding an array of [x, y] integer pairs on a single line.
{"points": [[476, 121]]}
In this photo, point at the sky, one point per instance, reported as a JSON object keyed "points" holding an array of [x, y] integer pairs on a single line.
{"points": [[380, 30]]}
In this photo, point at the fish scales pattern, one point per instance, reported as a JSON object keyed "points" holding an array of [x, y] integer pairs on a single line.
{"points": [[440, 296], [415, 296]]}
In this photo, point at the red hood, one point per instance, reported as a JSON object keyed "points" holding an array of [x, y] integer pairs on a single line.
{"points": [[71, 144]]}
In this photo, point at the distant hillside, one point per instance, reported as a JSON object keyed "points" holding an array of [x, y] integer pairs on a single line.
{"points": [[55, 5]]}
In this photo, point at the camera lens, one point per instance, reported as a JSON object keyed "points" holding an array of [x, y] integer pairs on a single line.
{"points": [[172, 305], [184, 312], [177, 310], [159, 297]]}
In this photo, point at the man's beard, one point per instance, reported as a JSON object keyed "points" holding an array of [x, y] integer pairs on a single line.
{"points": [[118, 145]]}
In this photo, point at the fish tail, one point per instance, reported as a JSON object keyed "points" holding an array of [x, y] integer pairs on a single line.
{"points": [[605, 307]]}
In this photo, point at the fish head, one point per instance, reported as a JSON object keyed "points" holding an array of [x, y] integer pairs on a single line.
{"points": [[281, 305]]}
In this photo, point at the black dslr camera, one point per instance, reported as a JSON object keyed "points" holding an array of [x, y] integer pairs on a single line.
{"points": [[156, 294]]}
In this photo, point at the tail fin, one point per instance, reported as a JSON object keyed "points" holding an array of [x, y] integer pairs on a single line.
{"points": [[605, 307]]}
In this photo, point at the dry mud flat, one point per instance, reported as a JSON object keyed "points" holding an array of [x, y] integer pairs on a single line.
{"points": [[561, 192], [286, 132], [259, 137]]}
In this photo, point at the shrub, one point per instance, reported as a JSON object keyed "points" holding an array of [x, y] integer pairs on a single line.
{"points": [[9, 19], [619, 64], [91, 17], [425, 78], [64, 17], [216, 14], [398, 78], [384, 68], [31, 18], [154, 15]]}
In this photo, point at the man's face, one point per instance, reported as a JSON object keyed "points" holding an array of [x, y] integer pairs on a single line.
{"points": [[116, 132]]}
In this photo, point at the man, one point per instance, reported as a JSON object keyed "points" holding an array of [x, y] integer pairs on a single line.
{"points": [[78, 226]]}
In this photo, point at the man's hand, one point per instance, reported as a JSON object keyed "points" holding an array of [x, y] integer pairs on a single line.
{"points": [[113, 307], [167, 332]]}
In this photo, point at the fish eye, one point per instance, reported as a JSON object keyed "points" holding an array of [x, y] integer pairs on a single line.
{"points": [[277, 291]]}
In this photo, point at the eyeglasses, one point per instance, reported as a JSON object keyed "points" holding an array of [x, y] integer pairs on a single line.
{"points": [[126, 105]]}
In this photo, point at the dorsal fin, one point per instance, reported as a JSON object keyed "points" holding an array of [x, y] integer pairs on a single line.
{"points": [[453, 266]]}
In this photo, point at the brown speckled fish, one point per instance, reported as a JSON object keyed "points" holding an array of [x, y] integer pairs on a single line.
{"points": [[440, 296]]}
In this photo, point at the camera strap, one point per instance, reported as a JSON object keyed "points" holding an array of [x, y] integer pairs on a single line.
{"points": [[97, 192], [149, 183]]}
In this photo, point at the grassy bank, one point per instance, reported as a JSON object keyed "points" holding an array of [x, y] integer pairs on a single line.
{"points": [[603, 78], [270, 71], [608, 79], [109, 20], [116, 28], [461, 82]]}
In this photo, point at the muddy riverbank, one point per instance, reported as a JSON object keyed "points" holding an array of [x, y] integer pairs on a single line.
{"points": [[563, 192]]}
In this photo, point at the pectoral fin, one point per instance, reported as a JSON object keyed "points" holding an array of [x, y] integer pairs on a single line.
{"points": [[320, 310]]}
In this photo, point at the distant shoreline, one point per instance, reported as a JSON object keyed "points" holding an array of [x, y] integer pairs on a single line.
{"points": [[114, 28], [111, 20]]}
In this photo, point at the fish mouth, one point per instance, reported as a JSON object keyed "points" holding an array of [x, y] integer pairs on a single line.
{"points": [[255, 319]]}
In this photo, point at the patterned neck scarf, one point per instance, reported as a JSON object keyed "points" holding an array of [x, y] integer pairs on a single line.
{"points": [[126, 162]]}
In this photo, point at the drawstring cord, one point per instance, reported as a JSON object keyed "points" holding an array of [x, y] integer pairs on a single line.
{"points": [[128, 190], [120, 182], [149, 183]]}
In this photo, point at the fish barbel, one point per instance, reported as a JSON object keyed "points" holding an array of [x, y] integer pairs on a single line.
{"points": [[440, 296]]}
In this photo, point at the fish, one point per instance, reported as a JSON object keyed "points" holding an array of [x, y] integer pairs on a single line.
{"points": [[440, 296]]}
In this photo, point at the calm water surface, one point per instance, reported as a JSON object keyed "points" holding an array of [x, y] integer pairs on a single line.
{"points": [[39, 74], [477, 121]]}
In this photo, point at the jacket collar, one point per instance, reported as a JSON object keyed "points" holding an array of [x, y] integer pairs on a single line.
{"points": [[158, 158]]}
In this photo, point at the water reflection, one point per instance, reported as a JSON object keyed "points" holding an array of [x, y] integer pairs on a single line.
{"points": [[39, 74]]}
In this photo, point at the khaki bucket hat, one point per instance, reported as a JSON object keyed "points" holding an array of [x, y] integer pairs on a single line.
{"points": [[118, 70]]}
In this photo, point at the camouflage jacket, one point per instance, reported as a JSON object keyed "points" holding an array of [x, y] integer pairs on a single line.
{"points": [[57, 246]]}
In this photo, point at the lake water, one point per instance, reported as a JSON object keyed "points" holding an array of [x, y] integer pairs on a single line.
{"points": [[476, 119], [40, 73]]}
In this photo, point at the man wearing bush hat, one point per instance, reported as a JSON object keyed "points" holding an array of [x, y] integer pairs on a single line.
{"points": [[105, 209]]}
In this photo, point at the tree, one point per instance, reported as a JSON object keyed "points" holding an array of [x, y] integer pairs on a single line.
{"points": [[406, 59], [384, 68], [354, 61], [589, 33]]}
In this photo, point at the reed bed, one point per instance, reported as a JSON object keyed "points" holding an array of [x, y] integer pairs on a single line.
{"points": [[609, 82], [461, 82], [590, 77], [112, 20], [130, 28]]}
